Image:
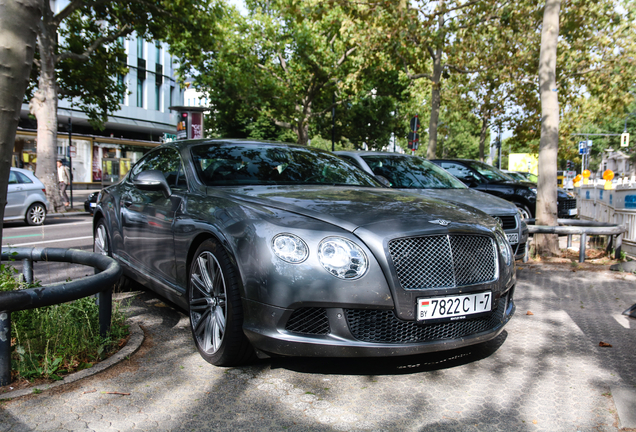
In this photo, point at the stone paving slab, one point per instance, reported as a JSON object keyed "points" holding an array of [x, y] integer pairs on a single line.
{"points": [[546, 372]]}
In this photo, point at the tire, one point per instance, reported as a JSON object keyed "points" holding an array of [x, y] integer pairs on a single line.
{"points": [[215, 309], [524, 211], [101, 240], [101, 245], [35, 214]]}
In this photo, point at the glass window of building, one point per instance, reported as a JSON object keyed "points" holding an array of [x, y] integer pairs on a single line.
{"points": [[141, 72]]}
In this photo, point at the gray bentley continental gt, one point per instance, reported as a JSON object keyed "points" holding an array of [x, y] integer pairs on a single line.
{"points": [[288, 250]]}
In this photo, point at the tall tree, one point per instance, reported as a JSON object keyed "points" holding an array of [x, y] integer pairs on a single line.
{"points": [[18, 20], [546, 211], [78, 56], [288, 62]]}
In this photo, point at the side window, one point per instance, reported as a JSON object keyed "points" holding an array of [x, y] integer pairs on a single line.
{"points": [[13, 178], [460, 171], [22, 178], [168, 162], [349, 159]]}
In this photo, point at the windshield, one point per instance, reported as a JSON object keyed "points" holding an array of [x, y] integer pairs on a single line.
{"points": [[249, 164], [411, 172], [490, 172]]}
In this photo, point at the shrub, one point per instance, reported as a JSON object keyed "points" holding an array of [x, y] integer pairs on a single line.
{"points": [[53, 340]]}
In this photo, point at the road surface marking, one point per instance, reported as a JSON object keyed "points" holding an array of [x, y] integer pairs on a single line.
{"points": [[48, 241]]}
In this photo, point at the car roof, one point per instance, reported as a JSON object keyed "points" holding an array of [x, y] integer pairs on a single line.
{"points": [[260, 143], [369, 153], [23, 171]]}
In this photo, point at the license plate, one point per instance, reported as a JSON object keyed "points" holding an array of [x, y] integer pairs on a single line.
{"points": [[93, 204], [453, 307], [513, 238], [573, 212]]}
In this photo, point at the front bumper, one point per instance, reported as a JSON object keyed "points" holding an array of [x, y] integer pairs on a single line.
{"points": [[318, 331]]}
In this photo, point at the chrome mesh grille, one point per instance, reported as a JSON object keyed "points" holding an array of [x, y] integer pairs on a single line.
{"points": [[382, 326], [309, 321], [445, 261], [507, 222], [565, 204]]}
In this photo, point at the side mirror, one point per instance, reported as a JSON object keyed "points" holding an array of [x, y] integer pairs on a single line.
{"points": [[152, 180]]}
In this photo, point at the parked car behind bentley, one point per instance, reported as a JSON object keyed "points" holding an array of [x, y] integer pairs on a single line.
{"points": [[287, 250], [415, 174]]}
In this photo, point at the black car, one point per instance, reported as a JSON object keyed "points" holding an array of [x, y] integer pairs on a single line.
{"points": [[91, 202], [489, 179], [285, 249], [414, 174]]}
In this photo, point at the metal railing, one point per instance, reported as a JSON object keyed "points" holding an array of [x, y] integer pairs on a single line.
{"points": [[581, 228], [108, 272]]}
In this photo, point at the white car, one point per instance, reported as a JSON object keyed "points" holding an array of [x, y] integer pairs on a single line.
{"points": [[26, 198]]}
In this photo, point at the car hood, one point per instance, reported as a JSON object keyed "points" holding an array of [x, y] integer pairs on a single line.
{"points": [[352, 207], [482, 201]]}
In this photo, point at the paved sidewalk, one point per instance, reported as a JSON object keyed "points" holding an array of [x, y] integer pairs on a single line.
{"points": [[546, 372]]}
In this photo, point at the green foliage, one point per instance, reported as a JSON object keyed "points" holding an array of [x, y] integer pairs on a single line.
{"points": [[280, 68], [325, 144], [50, 341], [85, 46]]}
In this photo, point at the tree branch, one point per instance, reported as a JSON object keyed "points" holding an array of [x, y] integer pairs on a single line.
{"points": [[283, 64], [68, 10], [282, 124], [96, 44], [265, 68], [345, 55]]}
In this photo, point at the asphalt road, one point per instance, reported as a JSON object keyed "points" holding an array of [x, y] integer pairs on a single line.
{"points": [[57, 232]]}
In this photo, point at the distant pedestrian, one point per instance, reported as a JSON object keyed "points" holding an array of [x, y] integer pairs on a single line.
{"points": [[64, 177]]}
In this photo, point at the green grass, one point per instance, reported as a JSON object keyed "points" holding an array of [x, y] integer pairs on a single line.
{"points": [[55, 340]]}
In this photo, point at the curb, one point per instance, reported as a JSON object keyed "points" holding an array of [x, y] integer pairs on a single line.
{"points": [[68, 214], [135, 341]]}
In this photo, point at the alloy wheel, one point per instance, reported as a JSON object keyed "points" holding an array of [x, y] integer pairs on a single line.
{"points": [[36, 214], [100, 244], [208, 302]]}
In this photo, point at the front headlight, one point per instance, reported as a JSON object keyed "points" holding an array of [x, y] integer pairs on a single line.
{"points": [[342, 258], [290, 248], [504, 246], [534, 190]]}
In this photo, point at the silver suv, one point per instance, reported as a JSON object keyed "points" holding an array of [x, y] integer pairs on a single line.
{"points": [[26, 198]]}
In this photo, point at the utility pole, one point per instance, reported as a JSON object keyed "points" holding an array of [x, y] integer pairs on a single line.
{"points": [[70, 159]]}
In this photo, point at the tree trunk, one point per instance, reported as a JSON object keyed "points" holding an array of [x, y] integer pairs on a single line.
{"points": [[482, 136], [435, 91], [435, 103], [546, 214], [44, 107], [18, 31]]}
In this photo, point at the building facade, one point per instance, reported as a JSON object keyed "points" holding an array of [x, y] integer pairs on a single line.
{"points": [[141, 123]]}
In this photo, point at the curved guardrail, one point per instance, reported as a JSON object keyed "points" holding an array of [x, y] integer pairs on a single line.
{"points": [[107, 270], [582, 228]]}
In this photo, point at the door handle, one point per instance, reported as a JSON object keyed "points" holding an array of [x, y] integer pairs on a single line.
{"points": [[126, 202]]}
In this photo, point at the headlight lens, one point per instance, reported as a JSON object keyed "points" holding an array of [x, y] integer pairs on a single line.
{"points": [[342, 258], [504, 246], [290, 248], [534, 190]]}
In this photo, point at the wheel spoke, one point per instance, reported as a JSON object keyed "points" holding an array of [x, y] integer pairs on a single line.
{"points": [[199, 285], [200, 325], [219, 316], [199, 305], [205, 274], [209, 340]]}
